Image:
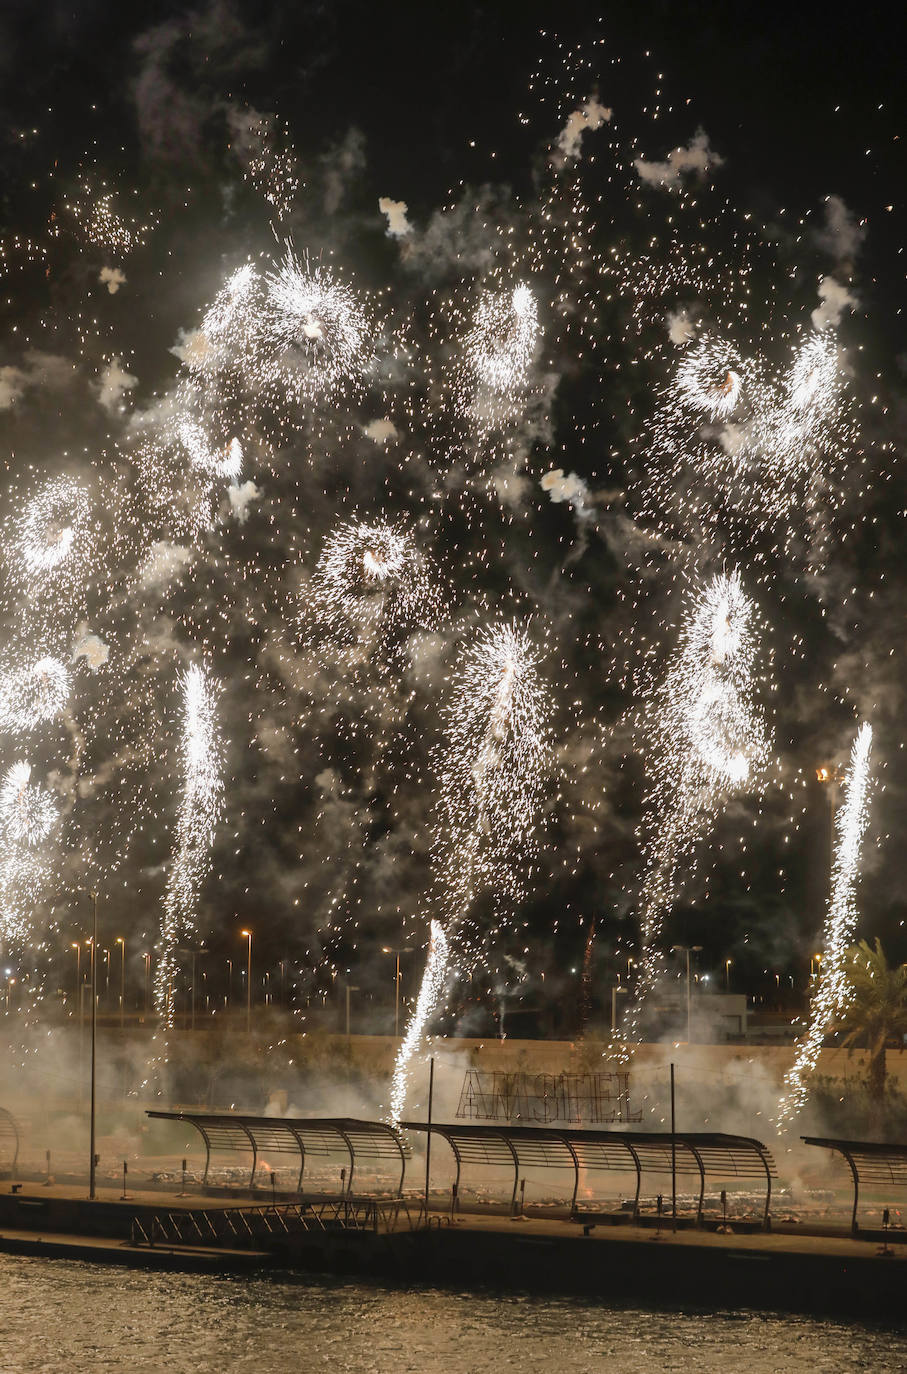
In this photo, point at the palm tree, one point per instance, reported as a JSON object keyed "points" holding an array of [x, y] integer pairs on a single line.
{"points": [[875, 1013]]}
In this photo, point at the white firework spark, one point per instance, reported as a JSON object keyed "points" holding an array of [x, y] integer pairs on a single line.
{"points": [[225, 341], [226, 462], [491, 773], [751, 440], [493, 768], [315, 331], [52, 532], [709, 739], [371, 574], [709, 379], [832, 992], [27, 817], [500, 345], [431, 991], [199, 814], [27, 812], [32, 695]]}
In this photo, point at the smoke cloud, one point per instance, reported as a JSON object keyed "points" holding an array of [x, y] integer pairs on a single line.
{"points": [[694, 160]]}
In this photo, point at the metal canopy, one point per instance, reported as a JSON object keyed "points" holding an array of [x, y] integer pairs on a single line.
{"points": [[639, 1152], [871, 1162], [373, 1142]]}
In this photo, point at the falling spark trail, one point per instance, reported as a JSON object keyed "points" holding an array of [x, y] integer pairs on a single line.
{"points": [[430, 993], [832, 991], [199, 815]]}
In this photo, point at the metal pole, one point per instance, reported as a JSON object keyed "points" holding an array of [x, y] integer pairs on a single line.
{"points": [[689, 1019], [673, 1157], [94, 1039], [431, 1098], [397, 1000], [194, 975], [248, 935], [122, 983]]}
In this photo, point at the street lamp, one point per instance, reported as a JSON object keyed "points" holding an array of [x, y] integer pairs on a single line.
{"points": [[727, 973], [247, 934], [147, 959], [616, 992], [122, 943], [687, 950], [387, 949]]}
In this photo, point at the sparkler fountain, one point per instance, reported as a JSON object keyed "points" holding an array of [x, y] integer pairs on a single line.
{"points": [[200, 812], [831, 994], [491, 775]]}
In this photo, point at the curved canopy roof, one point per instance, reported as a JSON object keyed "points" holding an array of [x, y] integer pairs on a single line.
{"points": [[374, 1142], [529, 1147], [873, 1163]]}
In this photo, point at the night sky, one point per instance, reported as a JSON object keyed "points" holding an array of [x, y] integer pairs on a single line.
{"points": [[330, 772]]}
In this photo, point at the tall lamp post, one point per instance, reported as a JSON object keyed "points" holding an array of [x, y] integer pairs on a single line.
{"points": [[688, 950], [247, 934], [387, 949], [92, 1157], [122, 944]]}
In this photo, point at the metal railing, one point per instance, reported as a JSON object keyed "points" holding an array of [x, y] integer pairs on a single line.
{"points": [[242, 1226]]}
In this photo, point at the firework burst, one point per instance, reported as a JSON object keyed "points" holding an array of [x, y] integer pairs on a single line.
{"points": [[315, 331], [28, 814], [372, 578], [709, 740], [32, 695]]}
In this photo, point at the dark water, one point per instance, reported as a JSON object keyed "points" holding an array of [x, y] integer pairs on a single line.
{"points": [[57, 1315]]}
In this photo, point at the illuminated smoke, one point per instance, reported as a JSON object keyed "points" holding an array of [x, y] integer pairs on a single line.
{"points": [[832, 992], [199, 814]]}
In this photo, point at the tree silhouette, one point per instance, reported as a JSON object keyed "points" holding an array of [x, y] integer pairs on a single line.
{"points": [[875, 1014]]}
